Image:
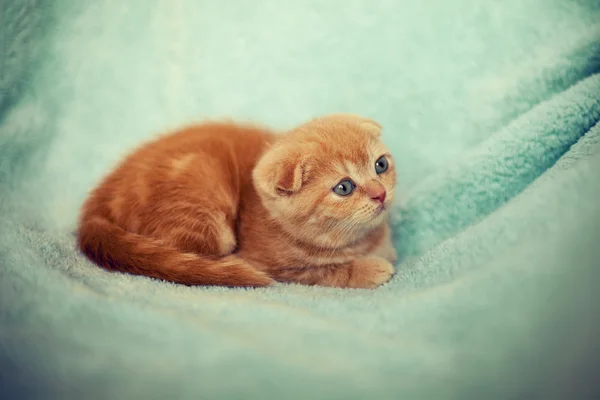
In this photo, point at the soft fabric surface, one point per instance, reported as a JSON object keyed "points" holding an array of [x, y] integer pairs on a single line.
{"points": [[491, 109]]}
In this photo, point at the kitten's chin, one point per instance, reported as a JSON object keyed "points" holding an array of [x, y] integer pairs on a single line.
{"points": [[379, 216]]}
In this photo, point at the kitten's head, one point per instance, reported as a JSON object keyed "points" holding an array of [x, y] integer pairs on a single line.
{"points": [[329, 181]]}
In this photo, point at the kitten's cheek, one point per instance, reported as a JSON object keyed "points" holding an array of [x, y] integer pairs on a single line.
{"points": [[389, 199]]}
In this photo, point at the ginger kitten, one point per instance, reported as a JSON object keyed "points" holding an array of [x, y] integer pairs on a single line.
{"points": [[232, 205]]}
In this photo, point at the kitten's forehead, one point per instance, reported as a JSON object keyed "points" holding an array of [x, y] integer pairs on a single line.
{"points": [[358, 164]]}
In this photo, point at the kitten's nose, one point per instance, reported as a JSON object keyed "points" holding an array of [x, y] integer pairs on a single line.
{"points": [[379, 195]]}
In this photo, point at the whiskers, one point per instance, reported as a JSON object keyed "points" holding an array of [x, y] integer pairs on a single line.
{"points": [[330, 231]]}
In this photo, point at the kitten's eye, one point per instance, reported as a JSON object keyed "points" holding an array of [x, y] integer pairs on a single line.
{"points": [[381, 165], [344, 188]]}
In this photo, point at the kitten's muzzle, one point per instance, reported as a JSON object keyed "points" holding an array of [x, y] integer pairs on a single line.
{"points": [[378, 195]]}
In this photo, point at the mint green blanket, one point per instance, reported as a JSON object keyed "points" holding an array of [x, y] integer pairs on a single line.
{"points": [[491, 109]]}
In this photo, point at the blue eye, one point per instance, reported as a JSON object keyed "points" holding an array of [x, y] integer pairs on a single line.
{"points": [[381, 165], [344, 188]]}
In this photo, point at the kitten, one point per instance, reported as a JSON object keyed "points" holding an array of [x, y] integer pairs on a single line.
{"points": [[232, 205]]}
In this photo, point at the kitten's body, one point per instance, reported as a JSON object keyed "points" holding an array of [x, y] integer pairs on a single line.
{"points": [[223, 204]]}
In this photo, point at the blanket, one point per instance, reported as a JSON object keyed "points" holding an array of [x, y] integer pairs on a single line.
{"points": [[491, 111]]}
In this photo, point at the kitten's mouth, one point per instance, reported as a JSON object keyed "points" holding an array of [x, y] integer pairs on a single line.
{"points": [[380, 208]]}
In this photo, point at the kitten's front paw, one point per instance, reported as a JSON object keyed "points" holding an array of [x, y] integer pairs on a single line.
{"points": [[370, 272]]}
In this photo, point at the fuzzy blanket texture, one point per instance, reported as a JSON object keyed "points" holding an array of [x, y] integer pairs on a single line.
{"points": [[491, 109]]}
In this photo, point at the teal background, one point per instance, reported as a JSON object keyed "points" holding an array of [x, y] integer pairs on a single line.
{"points": [[491, 110]]}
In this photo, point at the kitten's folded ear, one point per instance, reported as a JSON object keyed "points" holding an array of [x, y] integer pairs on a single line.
{"points": [[370, 126], [280, 171]]}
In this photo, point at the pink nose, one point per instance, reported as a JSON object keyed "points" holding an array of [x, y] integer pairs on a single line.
{"points": [[379, 195]]}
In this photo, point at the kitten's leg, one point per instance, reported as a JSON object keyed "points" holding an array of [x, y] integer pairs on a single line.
{"points": [[363, 273], [386, 249], [369, 272], [207, 233]]}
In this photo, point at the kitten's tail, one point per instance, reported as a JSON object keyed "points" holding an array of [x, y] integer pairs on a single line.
{"points": [[113, 248]]}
